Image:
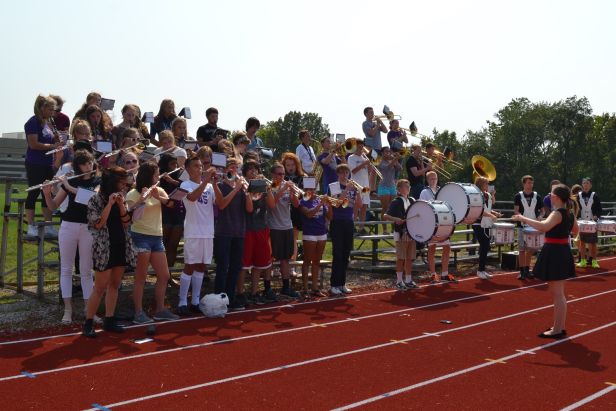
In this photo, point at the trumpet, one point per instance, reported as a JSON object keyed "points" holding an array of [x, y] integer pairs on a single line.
{"points": [[298, 191], [139, 145], [56, 180], [358, 187], [335, 202]]}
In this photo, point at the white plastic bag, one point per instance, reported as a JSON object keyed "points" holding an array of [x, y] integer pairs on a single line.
{"points": [[214, 305]]}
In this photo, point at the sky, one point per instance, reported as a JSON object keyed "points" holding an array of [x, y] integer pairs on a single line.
{"points": [[448, 65]]}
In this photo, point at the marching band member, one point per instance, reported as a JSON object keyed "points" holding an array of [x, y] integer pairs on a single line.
{"points": [[167, 142], [590, 209], [372, 129], [360, 173], [315, 214], [74, 234], [162, 120], [112, 247], [230, 228], [61, 124], [482, 233], [100, 123], [429, 194], [281, 225], [252, 126], [575, 191], [146, 200], [396, 137], [305, 152], [240, 145], [198, 232], [39, 166], [294, 172], [205, 155], [179, 129], [329, 160], [226, 147], [405, 245], [526, 202], [416, 169], [555, 261], [257, 256], [173, 212], [547, 203], [129, 114], [341, 231], [207, 134], [130, 162], [389, 167], [93, 98]]}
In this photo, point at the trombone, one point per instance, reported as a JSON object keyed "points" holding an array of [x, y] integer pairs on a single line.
{"points": [[358, 187], [350, 146], [388, 114], [436, 167]]}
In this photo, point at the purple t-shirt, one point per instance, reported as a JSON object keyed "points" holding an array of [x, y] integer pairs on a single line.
{"points": [[329, 171], [45, 136], [345, 213], [316, 224], [231, 221]]}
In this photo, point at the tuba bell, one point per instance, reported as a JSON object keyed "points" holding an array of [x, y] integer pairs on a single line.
{"points": [[482, 167]]}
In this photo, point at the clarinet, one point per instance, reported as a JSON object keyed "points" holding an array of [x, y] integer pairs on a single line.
{"points": [[54, 130]]}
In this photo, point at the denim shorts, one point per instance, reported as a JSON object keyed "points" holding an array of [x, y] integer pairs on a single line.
{"points": [[387, 191], [147, 243]]}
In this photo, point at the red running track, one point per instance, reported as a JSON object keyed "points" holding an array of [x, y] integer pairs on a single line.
{"points": [[285, 357]]}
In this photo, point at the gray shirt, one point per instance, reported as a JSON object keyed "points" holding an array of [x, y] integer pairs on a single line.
{"points": [[279, 218], [389, 174], [372, 142]]}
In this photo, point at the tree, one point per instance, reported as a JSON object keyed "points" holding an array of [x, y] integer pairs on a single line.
{"points": [[282, 134]]}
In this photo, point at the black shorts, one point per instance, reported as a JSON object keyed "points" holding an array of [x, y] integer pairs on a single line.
{"points": [[282, 244], [589, 238]]}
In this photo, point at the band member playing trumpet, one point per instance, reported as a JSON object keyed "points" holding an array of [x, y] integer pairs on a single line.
{"points": [[315, 212], [360, 173], [198, 233], [146, 201], [396, 137], [405, 245], [257, 258], [294, 172], [329, 160], [229, 233], [429, 194], [341, 231], [590, 209], [305, 152], [281, 225], [389, 167], [528, 203], [416, 169], [481, 232]]}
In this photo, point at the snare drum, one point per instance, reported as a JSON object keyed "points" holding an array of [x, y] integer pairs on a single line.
{"points": [[503, 233], [430, 221], [533, 238], [606, 226], [466, 201], [587, 226]]}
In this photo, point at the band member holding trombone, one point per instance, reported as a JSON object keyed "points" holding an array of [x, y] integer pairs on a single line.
{"points": [[396, 137], [360, 173], [305, 152], [372, 128], [341, 229], [406, 248], [416, 169]]}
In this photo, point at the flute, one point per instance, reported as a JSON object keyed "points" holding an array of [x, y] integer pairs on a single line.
{"points": [[56, 180], [141, 146], [149, 190], [64, 147]]}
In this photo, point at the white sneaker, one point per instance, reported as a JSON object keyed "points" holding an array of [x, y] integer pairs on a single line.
{"points": [[487, 274], [345, 289], [32, 231], [335, 291], [67, 318], [97, 319], [482, 275]]}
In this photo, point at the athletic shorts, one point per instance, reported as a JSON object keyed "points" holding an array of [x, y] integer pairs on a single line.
{"points": [[282, 244], [386, 191], [198, 250], [315, 237], [257, 250], [589, 238], [406, 249], [365, 199]]}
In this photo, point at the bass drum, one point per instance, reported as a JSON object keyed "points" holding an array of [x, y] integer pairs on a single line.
{"points": [[430, 221], [466, 201]]}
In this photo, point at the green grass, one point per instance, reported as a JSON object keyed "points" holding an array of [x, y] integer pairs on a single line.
{"points": [[29, 248]]}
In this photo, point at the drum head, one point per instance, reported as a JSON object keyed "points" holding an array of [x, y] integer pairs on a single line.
{"points": [[455, 196], [421, 221]]}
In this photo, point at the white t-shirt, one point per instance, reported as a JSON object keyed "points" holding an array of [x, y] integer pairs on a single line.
{"points": [[306, 156], [199, 220], [64, 169], [361, 177], [177, 152]]}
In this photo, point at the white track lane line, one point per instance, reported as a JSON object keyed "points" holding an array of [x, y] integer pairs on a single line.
{"points": [[360, 350], [590, 398], [467, 370], [258, 310], [321, 325], [277, 307]]}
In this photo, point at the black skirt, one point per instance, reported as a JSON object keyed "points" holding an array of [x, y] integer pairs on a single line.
{"points": [[554, 263]]}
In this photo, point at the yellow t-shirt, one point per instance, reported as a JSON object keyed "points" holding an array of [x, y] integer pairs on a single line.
{"points": [[151, 222]]}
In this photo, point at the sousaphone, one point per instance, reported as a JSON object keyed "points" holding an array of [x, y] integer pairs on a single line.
{"points": [[482, 167]]}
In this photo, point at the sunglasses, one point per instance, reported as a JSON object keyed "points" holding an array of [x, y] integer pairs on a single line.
{"points": [[131, 162]]}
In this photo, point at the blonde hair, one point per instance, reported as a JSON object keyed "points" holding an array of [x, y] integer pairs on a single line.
{"points": [[41, 102], [81, 126], [167, 135], [204, 151]]}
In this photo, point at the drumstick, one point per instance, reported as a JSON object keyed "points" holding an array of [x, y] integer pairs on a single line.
{"points": [[411, 217]]}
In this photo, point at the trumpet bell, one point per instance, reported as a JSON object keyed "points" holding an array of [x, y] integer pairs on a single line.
{"points": [[482, 167]]}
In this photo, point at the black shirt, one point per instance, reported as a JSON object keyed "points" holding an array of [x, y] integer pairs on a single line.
{"points": [[528, 198], [396, 209], [77, 212], [596, 207], [206, 133], [410, 163]]}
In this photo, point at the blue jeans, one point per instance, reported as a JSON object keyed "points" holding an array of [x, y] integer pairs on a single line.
{"points": [[228, 252]]}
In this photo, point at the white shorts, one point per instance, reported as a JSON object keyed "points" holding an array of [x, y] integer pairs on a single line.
{"points": [[315, 237], [365, 199], [198, 250]]}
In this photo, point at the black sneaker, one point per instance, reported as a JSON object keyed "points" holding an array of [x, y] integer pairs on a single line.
{"points": [[522, 275], [289, 292], [411, 284], [529, 274], [241, 299], [270, 296], [88, 329], [258, 299], [183, 311], [110, 324], [194, 308], [236, 306]]}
